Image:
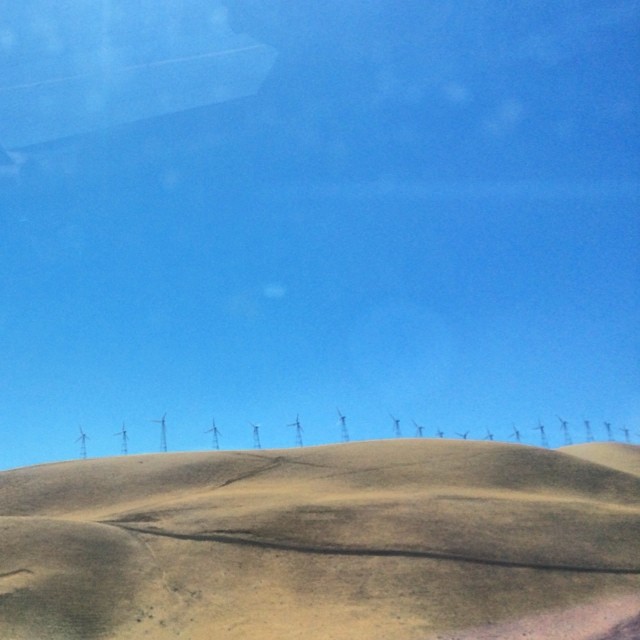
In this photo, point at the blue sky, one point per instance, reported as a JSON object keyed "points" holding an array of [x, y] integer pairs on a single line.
{"points": [[430, 211]]}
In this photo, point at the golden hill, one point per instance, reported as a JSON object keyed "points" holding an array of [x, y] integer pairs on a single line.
{"points": [[623, 457], [388, 540]]}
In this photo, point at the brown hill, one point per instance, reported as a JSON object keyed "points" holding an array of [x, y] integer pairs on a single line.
{"points": [[623, 457], [396, 539]]}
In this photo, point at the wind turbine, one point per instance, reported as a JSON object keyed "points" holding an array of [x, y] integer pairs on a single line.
{"points": [[587, 426], [543, 435], [627, 437], [125, 439], [344, 434], [489, 435], [215, 433], [396, 426], [609, 431], [298, 427], [440, 433], [83, 443], [163, 432], [419, 429], [564, 425], [516, 434], [256, 435], [464, 435]]}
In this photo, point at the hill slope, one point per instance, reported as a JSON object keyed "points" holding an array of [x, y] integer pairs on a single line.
{"points": [[396, 539], [623, 457]]}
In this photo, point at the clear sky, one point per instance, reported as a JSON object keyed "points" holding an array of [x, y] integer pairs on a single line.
{"points": [[424, 209]]}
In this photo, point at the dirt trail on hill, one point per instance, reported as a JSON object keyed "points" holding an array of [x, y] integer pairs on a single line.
{"points": [[246, 538]]}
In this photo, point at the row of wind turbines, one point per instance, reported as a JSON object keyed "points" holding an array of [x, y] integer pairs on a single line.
{"points": [[516, 434], [216, 434]]}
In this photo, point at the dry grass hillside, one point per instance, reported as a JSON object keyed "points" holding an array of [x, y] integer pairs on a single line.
{"points": [[623, 457], [405, 539]]}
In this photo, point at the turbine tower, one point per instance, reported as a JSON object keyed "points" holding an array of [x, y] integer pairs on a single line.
{"points": [[215, 433], [396, 426], [440, 433], [256, 435], [489, 435], [610, 437], [124, 449], [564, 425], [163, 432], [83, 443], [627, 436], [543, 436], [419, 429], [587, 427], [298, 427], [344, 434]]}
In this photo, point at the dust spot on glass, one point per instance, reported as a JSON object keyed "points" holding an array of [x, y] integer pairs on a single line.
{"points": [[219, 17], [505, 118], [274, 291], [170, 179], [7, 39], [456, 93]]}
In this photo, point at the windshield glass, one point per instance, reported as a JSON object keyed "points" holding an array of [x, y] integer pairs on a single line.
{"points": [[331, 220]]}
